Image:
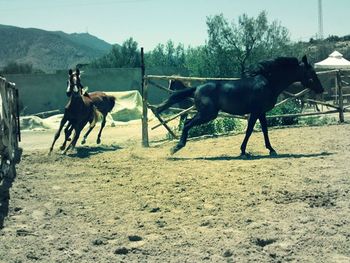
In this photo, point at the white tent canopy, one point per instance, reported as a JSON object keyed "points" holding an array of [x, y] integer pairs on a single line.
{"points": [[334, 61]]}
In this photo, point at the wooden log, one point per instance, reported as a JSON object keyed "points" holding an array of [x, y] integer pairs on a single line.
{"points": [[299, 94], [327, 72], [322, 103], [17, 117], [160, 86], [292, 96], [174, 117], [301, 114], [44, 114], [340, 93], [186, 78], [162, 122], [144, 89]]}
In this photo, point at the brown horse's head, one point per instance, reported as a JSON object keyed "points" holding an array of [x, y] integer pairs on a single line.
{"points": [[74, 86]]}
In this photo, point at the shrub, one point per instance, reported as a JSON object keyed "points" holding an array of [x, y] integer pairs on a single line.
{"points": [[217, 126], [290, 107]]}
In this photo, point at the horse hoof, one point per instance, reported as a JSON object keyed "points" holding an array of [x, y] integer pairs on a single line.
{"points": [[175, 149], [62, 147], [98, 141], [245, 155], [273, 153], [83, 141]]}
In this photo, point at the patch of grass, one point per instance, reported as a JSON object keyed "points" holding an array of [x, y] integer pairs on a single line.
{"points": [[317, 120]]}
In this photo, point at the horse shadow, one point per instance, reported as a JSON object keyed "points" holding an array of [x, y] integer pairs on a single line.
{"points": [[253, 157], [87, 151]]}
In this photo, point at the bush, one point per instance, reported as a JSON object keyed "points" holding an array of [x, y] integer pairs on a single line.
{"points": [[290, 107], [217, 126]]}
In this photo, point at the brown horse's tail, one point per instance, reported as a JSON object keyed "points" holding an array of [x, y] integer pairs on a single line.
{"points": [[111, 101]]}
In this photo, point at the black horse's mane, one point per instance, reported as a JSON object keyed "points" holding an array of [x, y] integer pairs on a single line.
{"points": [[267, 67]]}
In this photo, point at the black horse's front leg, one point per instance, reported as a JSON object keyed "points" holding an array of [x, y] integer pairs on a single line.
{"points": [[251, 123], [263, 122]]}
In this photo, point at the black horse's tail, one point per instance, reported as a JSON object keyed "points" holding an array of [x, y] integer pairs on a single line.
{"points": [[176, 97]]}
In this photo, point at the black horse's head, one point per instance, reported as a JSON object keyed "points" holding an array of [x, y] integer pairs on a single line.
{"points": [[309, 77], [73, 84]]}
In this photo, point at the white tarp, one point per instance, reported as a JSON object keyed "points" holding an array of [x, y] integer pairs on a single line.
{"points": [[334, 61], [128, 107]]}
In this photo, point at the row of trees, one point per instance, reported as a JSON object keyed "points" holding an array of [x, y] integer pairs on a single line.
{"points": [[229, 50], [17, 68]]}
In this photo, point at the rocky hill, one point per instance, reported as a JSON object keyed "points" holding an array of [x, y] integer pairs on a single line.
{"points": [[48, 50]]}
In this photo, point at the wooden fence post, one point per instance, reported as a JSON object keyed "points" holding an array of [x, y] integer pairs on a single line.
{"points": [[340, 97], [144, 91]]}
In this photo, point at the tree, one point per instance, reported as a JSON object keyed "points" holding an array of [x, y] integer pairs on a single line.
{"points": [[17, 68], [125, 56], [167, 55], [198, 62], [234, 46]]}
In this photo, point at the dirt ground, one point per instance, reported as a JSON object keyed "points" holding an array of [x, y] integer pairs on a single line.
{"points": [[119, 202]]}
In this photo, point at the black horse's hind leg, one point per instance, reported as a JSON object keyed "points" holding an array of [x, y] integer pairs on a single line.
{"points": [[251, 123], [102, 126], [263, 122], [198, 119]]}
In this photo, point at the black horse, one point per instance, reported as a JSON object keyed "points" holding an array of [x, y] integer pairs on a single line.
{"points": [[254, 95]]}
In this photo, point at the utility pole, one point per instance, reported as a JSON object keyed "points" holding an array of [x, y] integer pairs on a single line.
{"points": [[320, 20]]}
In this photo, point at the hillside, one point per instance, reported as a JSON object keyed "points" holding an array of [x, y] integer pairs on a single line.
{"points": [[48, 50]]}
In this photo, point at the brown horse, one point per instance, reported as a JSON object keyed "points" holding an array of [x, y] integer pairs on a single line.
{"points": [[104, 104], [78, 112]]}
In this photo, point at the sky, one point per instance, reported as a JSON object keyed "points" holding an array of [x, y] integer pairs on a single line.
{"points": [[151, 22]]}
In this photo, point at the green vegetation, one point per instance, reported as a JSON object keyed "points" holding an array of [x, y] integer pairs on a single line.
{"points": [[290, 107], [232, 47], [17, 68], [217, 126], [125, 56]]}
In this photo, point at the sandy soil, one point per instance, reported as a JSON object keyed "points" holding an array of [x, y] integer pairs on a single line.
{"points": [[118, 202]]}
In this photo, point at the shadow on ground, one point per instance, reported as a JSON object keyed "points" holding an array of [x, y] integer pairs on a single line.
{"points": [[251, 157], [87, 151]]}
